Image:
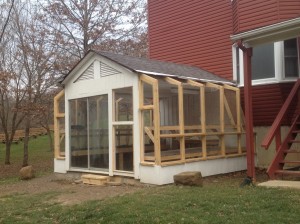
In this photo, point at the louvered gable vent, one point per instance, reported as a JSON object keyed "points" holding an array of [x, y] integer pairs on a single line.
{"points": [[106, 70], [87, 74]]}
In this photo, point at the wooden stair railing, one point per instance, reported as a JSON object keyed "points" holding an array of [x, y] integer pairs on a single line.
{"points": [[283, 148], [275, 128], [277, 165]]}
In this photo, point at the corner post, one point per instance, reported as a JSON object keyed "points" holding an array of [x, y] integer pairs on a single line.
{"points": [[247, 54]]}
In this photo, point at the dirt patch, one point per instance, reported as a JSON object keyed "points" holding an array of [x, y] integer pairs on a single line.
{"points": [[69, 192]]}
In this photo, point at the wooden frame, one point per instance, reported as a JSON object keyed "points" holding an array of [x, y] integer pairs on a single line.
{"points": [[57, 132], [154, 132]]}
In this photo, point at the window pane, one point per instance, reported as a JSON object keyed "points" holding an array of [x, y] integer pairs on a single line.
{"points": [[123, 104], [78, 129], [124, 147], [98, 131], [291, 58], [263, 62]]}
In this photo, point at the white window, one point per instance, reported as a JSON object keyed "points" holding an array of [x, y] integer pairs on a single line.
{"points": [[274, 62]]}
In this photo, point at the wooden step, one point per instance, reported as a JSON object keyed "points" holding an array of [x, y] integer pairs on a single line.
{"points": [[291, 151], [290, 161], [294, 141], [296, 131], [93, 179], [288, 172]]}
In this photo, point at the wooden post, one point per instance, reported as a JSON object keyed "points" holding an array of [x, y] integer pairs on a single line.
{"points": [[238, 120], [247, 53], [57, 115], [157, 152], [203, 121], [222, 121]]}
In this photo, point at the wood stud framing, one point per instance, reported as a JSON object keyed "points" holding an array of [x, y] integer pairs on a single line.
{"points": [[57, 134], [235, 123]]}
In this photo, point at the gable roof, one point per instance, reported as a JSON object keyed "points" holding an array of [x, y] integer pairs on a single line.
{"points": [[160, 68]]}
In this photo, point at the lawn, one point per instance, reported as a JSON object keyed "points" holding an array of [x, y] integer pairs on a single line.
{"points": [[40, 157], [213, 203], [221, 200]]}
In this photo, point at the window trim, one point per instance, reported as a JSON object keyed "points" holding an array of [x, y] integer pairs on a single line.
{"points": [[279, 76]]}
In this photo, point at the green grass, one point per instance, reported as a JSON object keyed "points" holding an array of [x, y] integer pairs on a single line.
{"points": [[40, 157], [219, 201], [170, 204]]}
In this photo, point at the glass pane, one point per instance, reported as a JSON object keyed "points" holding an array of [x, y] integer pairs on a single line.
{"points": [[98, 131], [263, 62], [78, 130], [124, 147], [291, 58], [123, 104]]}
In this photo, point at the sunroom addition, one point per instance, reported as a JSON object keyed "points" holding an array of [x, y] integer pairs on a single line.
{"points": [[136, 117]]}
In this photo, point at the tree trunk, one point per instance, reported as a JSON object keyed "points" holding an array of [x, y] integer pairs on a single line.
{"points": [[26, 141], [50, 138], [7, 152]]}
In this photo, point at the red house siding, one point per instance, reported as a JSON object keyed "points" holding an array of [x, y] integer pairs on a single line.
{"points": [[197, 32], [192, 32], [267, 101], [248, 15]]}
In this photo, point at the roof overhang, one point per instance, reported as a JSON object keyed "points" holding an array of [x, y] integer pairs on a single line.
{"points": [[272, 33]]}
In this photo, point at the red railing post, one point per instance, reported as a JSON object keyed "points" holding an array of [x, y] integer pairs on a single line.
{"points": [[278, 120]]}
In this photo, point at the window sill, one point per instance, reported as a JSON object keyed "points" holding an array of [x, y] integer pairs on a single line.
{"points": [[270, 81]]}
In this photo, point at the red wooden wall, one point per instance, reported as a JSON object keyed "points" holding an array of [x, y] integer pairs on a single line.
{"points": [[194, 32], [267, 101], [197, 32], [252, 14]]}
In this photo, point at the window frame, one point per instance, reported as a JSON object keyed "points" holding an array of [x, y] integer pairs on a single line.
{"points": [[279, 66]]}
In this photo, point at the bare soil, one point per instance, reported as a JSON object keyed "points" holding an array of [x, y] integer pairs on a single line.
{"points": [[69, 192], [74, 193]]}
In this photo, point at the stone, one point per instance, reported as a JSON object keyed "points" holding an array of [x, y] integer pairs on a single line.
{"points": [[26, 173], [190, 178]]}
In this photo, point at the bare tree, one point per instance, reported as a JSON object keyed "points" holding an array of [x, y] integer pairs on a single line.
{"points": [[82, 24], [39, 58], [5, 23], [12, 91]]}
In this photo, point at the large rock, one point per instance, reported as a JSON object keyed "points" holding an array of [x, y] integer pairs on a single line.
{"points": [[26, 173], [191, 178]]}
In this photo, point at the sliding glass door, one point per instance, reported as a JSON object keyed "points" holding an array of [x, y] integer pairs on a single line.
{"points": [[89, 132]]}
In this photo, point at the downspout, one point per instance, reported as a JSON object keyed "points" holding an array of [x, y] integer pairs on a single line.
{"points": [[247, 54]]}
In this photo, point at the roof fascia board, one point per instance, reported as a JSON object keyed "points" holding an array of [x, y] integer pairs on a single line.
{"points": [[186, 77], [272, 33]]}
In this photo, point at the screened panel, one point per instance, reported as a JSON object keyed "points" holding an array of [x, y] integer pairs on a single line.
{"points": [[212, 109], [148, 94], [168, 104]]}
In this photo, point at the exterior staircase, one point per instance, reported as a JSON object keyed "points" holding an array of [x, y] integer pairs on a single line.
{"points": [[281, 164], [287, 158]]}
